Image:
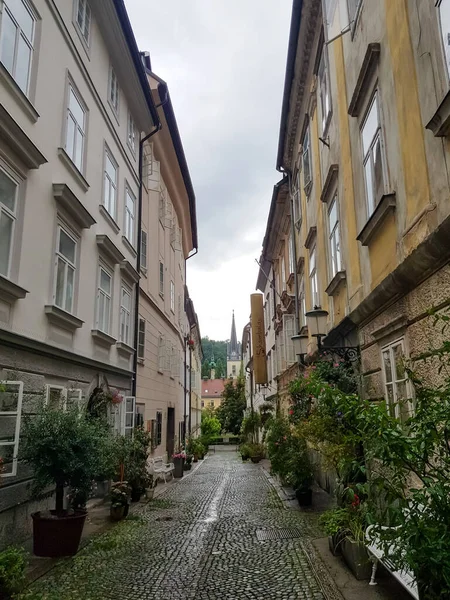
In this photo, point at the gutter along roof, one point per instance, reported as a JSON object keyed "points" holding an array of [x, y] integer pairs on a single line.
{"points": [[289, 77], [135, 55]]}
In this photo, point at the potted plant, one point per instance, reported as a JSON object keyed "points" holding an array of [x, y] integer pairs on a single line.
{"points": [[151, 485], [133, 452], [120, 493], [334, 523], [256, 452], [353, 545], [178, 461], [64, 448], [188, 462], [12, 572], [245, 452]]}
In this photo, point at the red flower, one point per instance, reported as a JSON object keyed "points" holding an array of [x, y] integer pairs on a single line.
{"points": [[291, 412], [356, 501]]}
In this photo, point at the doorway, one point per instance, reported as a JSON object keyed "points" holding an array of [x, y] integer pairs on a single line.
{"points": [[170, 444]]}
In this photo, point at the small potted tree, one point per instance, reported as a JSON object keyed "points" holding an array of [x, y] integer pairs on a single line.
{"points": [[120, 492], [257, 452], [64, 448]]}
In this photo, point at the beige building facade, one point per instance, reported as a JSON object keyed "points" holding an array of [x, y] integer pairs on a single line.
{"points": [[168, 237], [74, 101], [195, 372]]}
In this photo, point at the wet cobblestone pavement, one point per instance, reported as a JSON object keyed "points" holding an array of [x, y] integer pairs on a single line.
{"points": [[205, 540]]}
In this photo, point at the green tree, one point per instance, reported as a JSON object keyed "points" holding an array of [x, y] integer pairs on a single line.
{"points": [[231, 412], [216, 350], [210, 425]]}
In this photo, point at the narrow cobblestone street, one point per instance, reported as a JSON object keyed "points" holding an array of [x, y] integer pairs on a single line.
{"points": [[219, 533]]}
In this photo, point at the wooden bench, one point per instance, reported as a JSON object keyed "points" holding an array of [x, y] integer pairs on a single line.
{"points": [[159, 467], [405, 578]]}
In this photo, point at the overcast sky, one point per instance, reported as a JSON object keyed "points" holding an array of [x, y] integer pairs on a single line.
{"points": [[224, 63]]}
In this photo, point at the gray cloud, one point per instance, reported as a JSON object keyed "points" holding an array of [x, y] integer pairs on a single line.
{"points": [[224, 62]]}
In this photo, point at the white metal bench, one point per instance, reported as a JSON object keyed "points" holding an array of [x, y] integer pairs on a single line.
{"points": [[158, 466], [405, 578]]}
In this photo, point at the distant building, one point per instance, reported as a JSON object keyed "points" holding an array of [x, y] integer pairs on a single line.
{"points": [[212, 390], [233, 353]]}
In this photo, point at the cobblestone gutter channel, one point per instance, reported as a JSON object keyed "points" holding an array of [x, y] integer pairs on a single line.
{"points": [[200, 542]]}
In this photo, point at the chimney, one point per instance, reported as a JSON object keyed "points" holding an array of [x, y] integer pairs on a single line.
{"points": [[213, 373]]}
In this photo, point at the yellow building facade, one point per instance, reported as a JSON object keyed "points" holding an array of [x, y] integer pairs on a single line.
{"points": [[363, 150]]}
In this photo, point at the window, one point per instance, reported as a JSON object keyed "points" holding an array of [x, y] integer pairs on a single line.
{"points": [[396, 379], [11, 393], [66, 252], [104, 300], [161, 353], [353, 7], [84, 19], [306, 160], [125, 316], [141, 339], [130, 202], [179, 309], [8, 207], [313, 278], [444, 21], [110, 189], [75, 129], [172, 297], [302, 303], [129, 403], [334, 239], [158, 428], [144, 250], [283, 275], [16, 41], [161, 279], [233, 370], [289, 331], [132, 134], [56, 397], [324, 91], [297, 201], [291, 255], [139, 416], [372, 156], [114, 90]]}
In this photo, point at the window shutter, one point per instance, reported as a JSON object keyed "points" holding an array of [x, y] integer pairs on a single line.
{"points": [[153, 433], [11, 407], [129, 414], [169, 220], [161, 353], [288, 329]]}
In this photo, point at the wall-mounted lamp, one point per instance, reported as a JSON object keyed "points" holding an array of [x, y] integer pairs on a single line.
{"points": [[301, 346]]}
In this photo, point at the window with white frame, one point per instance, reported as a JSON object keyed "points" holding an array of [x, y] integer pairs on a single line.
{"points": [[11, 394], [125, 315], [306, 159], [104, 294], [132, 133], [289, 331], [65, 267], [269, 366], [324, 91], [75, 128], [172, 297], [334, 238], [74, 398], [83, 15], [179, 309], [353, 7], [296, 199], [143, 250], [113, 90], [56, 397], [161, 278], [18, 29], [130, 208], [302, 302], [373, 155], [313, 280], [283, 274], [8, 213], [129, 415], [396, 382], [161, 353], [141, 339], [291, 255], [110, 184], [444, 22]]}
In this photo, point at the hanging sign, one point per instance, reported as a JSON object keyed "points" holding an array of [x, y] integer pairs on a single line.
{"points": [[258, 339]]}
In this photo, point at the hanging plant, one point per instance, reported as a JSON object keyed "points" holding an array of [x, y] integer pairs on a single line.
{"points": [[191, 343], [98, 403], [116, 398]]}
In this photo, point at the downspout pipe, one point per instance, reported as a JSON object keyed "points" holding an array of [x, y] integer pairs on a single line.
{"points": [[138, 261], [185, 366]]}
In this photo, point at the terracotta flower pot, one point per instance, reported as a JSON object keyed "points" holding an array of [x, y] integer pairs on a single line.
{"points": [[57, 536]]}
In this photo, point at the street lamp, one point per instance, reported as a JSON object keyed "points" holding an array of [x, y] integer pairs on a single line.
{"points": [[301, 346], [316, 321]]}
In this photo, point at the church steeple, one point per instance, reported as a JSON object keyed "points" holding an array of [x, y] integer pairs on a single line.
{"points": [[233, 346]]}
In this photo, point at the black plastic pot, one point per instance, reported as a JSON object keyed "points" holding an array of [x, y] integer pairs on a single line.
{"points": [[304, 497], [126, 510], [255, 459], [57, 536], [136, 494], [117, 513], [244, 458], [178, 464]]}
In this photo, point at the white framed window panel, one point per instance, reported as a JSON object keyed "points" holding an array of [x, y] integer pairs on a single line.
{"points": [[162, 204], [130, 215], [353, 9], [161, 278], [168, 357], [114, 90], [8, 214], [169, 218], [373, 159], [313, 279], [296, 200], [306, 159], [334, 242], [179, 309], [283, 274], [65, 270], [172, 296], [75, 128], [104, 295], [443, 7], [128, 415], [291, 255], [302, 302], [144, 242], [110, 184], [132, 133], [141, 338], [125, 315], [83, 16], [11, 396], [289, 331], [56, 397], [17, 35], [397, 386], [161, 353], [175, 236], [324, 90], [74, 398], [147, 167]]}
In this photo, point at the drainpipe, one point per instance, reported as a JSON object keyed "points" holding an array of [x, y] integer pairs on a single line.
{"points": [[185, 363], [190, 390], [138, 262]]}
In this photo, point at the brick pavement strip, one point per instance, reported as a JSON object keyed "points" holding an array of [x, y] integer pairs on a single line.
{"points": [[199, 542]]}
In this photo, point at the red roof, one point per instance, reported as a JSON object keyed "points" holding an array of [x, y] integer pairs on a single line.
{"points": [[212, 388]]}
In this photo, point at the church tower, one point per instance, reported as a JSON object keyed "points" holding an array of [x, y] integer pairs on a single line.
{"points": [[233, 353]]}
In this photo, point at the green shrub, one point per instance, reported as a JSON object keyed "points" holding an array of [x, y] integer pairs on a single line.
{"points": [[12, 571]]}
